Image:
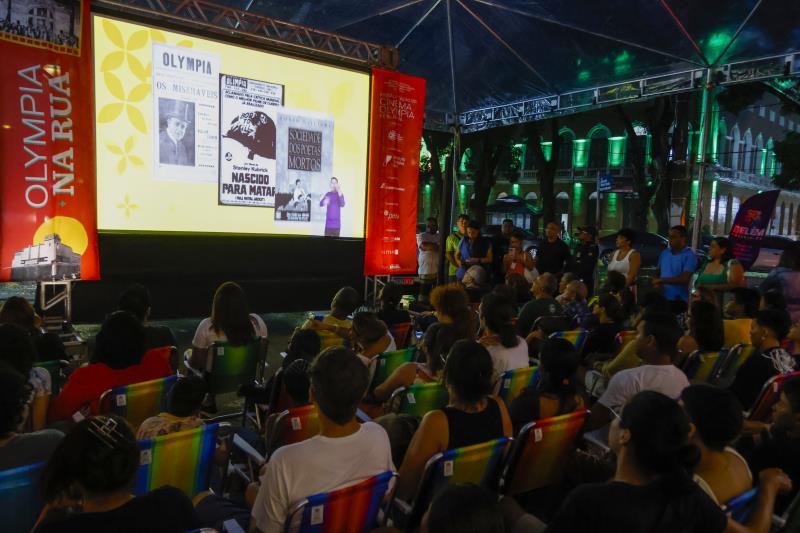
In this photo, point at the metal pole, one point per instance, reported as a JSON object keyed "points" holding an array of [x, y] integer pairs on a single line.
{"points": [[598, 217], [698, 216]]}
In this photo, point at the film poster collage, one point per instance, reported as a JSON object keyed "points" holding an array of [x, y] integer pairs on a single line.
{"points": [[235, 131]]}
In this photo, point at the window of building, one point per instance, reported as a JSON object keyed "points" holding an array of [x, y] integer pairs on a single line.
{"points": [[598, 147]]}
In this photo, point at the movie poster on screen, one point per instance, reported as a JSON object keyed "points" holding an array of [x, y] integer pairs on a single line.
{"points": [[751, 225], [248, 111], [48, 227], [186, 113], [304, 154]]}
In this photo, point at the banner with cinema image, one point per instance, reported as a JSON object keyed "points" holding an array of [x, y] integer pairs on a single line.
{"points": [[47, 180]]}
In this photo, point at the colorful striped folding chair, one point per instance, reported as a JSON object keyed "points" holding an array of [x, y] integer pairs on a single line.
{"points": [[727, 367], [401, 334], [183, 460], [137, 401], [235, 365], [576, 336], [386, 363], [740, 507], [57, 368], [350, 509], [768, 396], [21, 497], [419, 399], [699, 366], [540, 451], [513, 382], [294, 425]]}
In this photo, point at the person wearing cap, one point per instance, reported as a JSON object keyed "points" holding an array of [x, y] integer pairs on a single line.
{"points": [[584, 261], [474, 249], [553, 254], [171, 150], [625, 259]]}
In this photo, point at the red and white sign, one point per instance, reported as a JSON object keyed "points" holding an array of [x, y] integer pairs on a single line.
{"points": [[48, 226], [398, 103]]}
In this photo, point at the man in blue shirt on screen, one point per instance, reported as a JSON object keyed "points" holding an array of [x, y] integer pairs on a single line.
{"points": [[675, 268], [333, 201]]}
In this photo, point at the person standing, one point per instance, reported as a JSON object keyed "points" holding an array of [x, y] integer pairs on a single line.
{"points": [[675, 268], [451, 247], [584, 262], [553, 254], [516, 260], [722, 272], [500, 245], [786, 278], [474, 249], [429, 243], [334, 201], [625, 259]]}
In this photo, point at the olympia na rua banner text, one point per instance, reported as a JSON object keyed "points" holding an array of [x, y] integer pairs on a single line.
{"points": [[48, 224], [397, 107], [751, 225]]}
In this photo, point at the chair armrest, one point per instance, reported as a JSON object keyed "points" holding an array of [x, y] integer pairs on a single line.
{"points": [[594, 439], [361, 416], [245, 448]]}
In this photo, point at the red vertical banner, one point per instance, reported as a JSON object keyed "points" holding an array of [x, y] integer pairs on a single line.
{"points": [[398, 103], [48, 222]]}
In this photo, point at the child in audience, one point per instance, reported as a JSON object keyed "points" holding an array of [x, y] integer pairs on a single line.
{"points": [[16, 447], [741, 311], [717, 421], [556, 391], [389, 298], [334, 329], [472, 415], [507, 349], [769, 328], [185, 401], [98, 460], [18, 350]]}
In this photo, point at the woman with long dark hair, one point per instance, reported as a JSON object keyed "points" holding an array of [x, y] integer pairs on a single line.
{"points": [[507, 349], [722, 272], [706, 330]]}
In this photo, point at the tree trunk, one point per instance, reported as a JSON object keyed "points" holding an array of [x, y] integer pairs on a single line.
{"points": [[545, 170]]}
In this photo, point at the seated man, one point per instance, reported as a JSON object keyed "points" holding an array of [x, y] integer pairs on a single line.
{"points": [[334, 329], [544, 303], [136, 300]]}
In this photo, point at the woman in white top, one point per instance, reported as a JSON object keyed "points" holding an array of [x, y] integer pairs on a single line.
{"points": [[625, 259], [499, 336], [230, 321]]}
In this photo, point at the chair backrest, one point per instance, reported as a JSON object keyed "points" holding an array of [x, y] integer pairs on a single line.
{"points": [[420, 398], [279, 400], [551, 323], [386, 363], [730, 364], [401, 334], [576, 336], [235, 365], [138, 401], [769, 394], [540, 451], [21, 497], [183, 460], [351, 509], [740, 507], [699, 366], [57, 368], [294, 425], [624, 337], [513, 382]]}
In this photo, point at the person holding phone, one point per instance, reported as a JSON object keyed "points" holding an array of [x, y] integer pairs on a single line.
{"points": [[516, 261]]}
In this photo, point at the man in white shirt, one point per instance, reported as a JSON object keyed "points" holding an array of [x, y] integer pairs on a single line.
{"points": [[656, 345], [429, 244], [343, 453]]}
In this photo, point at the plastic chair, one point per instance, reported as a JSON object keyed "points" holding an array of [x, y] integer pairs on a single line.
{"points": [[294, 425], [419, 399], [279, 400], [513, 382], [183, 460], [576, 336], [58, 373], [769, 394], [138, 401], [699, 366], [351, 509], [234, 365], [540, 451], [725, 372], [386, 363], [21, 497], [401, 334], [740, 507]]}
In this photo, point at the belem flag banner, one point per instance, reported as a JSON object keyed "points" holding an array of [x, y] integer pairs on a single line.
{"points": [[397, 107], [751, 225], [48, 226]]}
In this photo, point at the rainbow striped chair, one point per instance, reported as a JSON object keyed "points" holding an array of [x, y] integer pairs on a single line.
{"points": [[137, 401], [388, 362], [294, 425], [741, 506], [576, 336], [21, 497], [235, 365], [513, 382], [183, 460], [699, 366], [401, 333], [725, 372], [540, 451], [419, 399], [768, 396], [350, 509]]}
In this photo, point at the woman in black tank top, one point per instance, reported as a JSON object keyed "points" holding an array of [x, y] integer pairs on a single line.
{"points": [[472, 416]]}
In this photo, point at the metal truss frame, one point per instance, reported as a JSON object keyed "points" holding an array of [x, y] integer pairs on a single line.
{"points": [[231, 23]]}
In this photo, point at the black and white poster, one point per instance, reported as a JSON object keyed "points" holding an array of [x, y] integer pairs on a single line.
{"points": [[247, 143]]}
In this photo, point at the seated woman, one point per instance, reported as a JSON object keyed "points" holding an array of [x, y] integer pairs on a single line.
{"points": [[616, 286], [471, 417], [566, 279], [185, 401], [652, 489], [717, 419], [18, 448], [451, 305], [556, 393], [706, 332], [435, 345], [18, 351], [601, 340], [507, 349], [119, 359], [370, 338], [87, 485], [389, 311]]}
